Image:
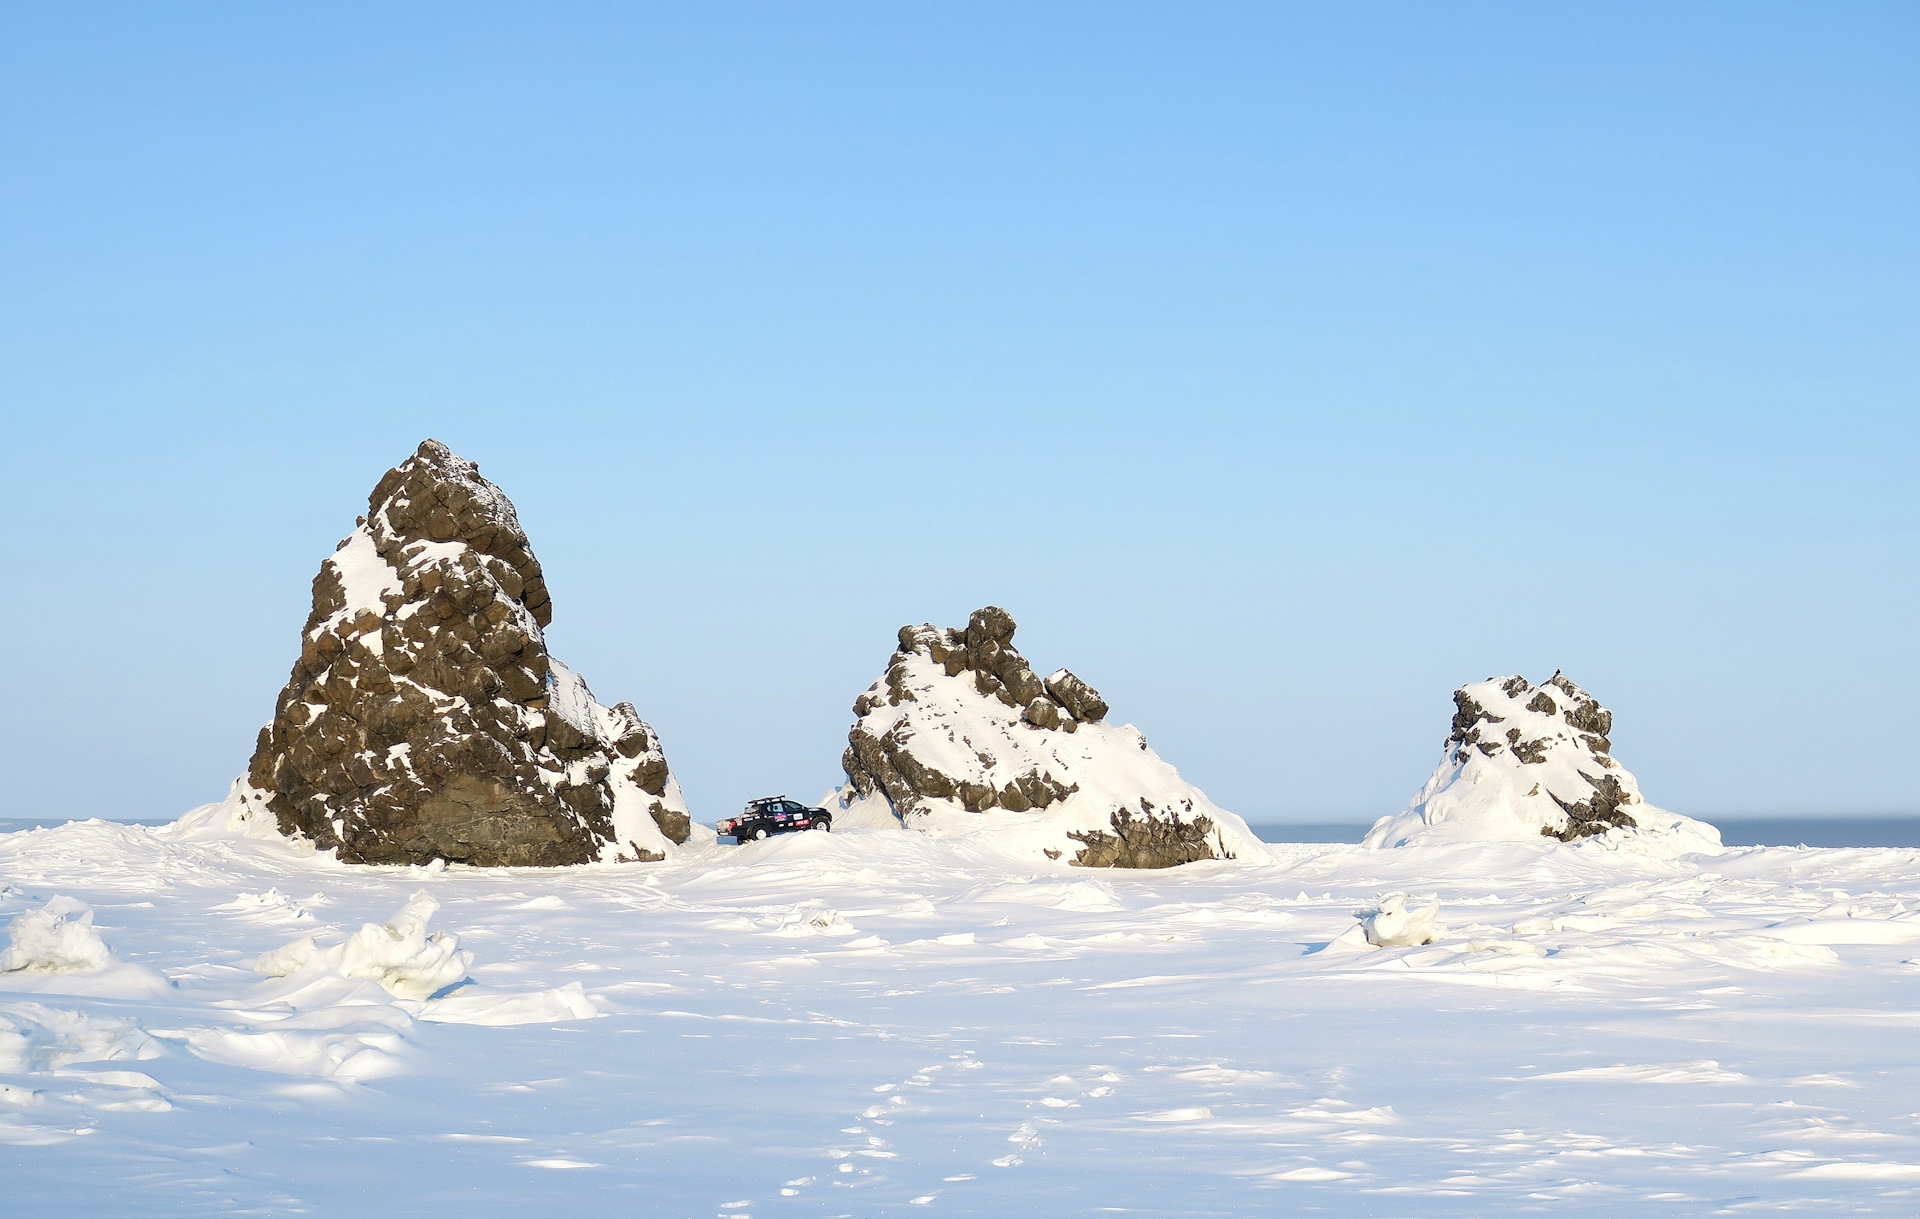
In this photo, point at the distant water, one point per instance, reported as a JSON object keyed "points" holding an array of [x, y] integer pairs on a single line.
{"points": [[1820, 831], [9, 825], [1734, 831], [1321, 832]]}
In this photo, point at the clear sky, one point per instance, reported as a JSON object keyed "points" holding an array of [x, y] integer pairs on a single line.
{"points": [[1280, 367]]}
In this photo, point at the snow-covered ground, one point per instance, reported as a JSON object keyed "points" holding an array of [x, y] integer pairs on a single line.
{"points": [[875, 1023]]}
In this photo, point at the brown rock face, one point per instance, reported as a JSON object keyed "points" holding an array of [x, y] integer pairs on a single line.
{"points": [[1146, 841], [424, 718], [1605, 809]]}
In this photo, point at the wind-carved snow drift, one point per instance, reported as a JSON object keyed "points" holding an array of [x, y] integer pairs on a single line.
{"points": [[425, 720], [961, 736], [1526, 762]]}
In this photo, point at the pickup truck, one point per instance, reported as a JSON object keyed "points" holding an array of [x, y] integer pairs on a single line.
{"points": [[774, 815]]}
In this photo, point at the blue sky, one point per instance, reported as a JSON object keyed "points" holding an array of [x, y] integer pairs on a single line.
{"points": [[1280, 368]]}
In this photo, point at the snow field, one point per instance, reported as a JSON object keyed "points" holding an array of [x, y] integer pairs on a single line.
{"points": [[876, 1023]]}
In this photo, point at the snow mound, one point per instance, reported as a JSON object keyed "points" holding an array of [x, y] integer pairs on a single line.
{"points": [[242, 815], [58, 938], [1527, 763], [324, 1043], [407, 960], [287, 959], [499, 1009], [403, 957], [1396, 924], [960, 737], [35, 1037]]}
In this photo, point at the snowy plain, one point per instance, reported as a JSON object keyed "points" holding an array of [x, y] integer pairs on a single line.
{"points": [[877, 1023]]}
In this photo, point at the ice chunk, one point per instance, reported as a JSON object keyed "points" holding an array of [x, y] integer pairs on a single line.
{"points": [[402, 956], [58, 938], [1395, 925]]}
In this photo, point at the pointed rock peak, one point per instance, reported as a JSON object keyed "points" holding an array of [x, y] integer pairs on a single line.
{"points": [[438, 497], [961, 736], [425, 719], [1526, 762]]}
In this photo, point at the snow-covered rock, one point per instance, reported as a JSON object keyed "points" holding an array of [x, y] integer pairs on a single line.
{"points": [[425, 719], [960, 736], [1526, 762]]}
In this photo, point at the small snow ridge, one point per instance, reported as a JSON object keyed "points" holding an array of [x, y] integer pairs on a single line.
{"points": [[1310, 1174], [1703, 1071], [810, 919], [1860, 1170], [1846, 930], [35, 1037], [1088, 897], [272, 905], [1195, 1114], [287, 959], [498, 1009]]}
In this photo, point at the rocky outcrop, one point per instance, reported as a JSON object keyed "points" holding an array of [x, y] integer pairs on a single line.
{"points": [[960, 735], [1145, 841], [424, 718], [1525, 761]]}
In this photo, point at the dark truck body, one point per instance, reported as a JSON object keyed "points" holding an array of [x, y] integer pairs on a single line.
{"points": [[774, 815]]}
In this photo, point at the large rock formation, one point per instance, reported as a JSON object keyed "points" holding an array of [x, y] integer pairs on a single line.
{"points": [[1531, 762], [961, 736], [425, 720]]}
